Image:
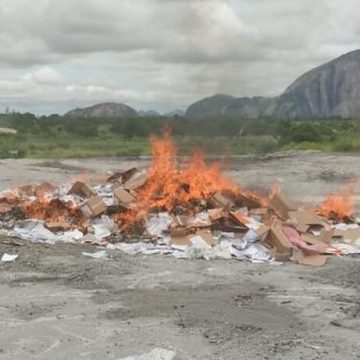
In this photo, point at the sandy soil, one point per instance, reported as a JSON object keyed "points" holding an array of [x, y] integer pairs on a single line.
{"points": [[56, 303]]}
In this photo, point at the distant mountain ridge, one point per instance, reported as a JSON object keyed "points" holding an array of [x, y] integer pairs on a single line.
{"points": [[329, 90], [118, 110], [332, 89]]}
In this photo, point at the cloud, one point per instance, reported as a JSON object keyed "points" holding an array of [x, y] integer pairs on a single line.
{"points": [[44, 76], [164, 53]]}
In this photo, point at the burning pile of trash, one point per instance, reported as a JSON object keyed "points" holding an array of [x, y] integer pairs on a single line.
{"points": [[188, 211]]}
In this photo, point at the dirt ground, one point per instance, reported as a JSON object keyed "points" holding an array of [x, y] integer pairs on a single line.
{"points": [[56, 303]]}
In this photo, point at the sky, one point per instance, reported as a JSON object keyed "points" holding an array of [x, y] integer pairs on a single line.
{"points": [[163, 54]]}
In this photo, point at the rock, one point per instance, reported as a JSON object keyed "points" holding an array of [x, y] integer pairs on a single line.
{"points": [[330, 90], [104, 110]]}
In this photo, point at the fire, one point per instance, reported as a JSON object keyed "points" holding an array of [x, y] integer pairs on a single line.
{"points": [[169, 186], [339, 206], [54, 211]]}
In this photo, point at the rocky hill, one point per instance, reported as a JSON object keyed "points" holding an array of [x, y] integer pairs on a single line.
{"points": [[104, 110], [332, 89], [228, 106]]}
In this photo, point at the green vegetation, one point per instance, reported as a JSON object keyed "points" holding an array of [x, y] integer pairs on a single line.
{"points": [[57, 137]]}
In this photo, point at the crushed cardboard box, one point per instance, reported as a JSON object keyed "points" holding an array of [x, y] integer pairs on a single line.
{"points": [[282, 205], [93, 207], [123, 196], [82, 189]]}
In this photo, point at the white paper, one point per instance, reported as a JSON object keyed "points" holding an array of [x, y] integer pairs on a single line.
{"points": [[9, 257]]}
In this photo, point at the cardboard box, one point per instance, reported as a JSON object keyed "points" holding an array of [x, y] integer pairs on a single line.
{"points": [[219, 200], [304, 219], [239, 217], [263, 230], [326, 235], [207, 236], [44, 188], [282, 205], [280, 246], [181, 240], [82, 189], [350, 235], [93, 206], [99, 178], [123, 196], [137, 181], [312, 239], [56, 226], [178, 231], [310, 260], [216, 214]]}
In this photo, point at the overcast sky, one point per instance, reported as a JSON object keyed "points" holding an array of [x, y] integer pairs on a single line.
{"points": [[163, 54]]}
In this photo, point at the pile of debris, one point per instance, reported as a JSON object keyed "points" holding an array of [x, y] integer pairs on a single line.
{"points": [[189, 211]]}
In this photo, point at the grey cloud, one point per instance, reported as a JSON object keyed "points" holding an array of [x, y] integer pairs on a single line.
{"points": [[165, 52]]}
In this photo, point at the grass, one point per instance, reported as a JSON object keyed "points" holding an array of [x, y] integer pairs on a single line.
{"points": [[110, 145]]}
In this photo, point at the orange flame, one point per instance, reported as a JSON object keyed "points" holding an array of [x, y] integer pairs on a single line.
{"points": [[54, 210], [341, 205], [168, 186]]}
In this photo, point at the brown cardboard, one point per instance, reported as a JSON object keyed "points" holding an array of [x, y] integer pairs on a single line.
{"points": [[308, 217], [82, 189], [56, 226], [350, 235], [312, 239], [326, 235], [304, 219], [282, 204], [302, 228], [183, 240], [278, 243], [207, 236], [280, 256], [179, 231], [238, 217], [263, 230], [93, 206], [218, 200], [137, 181], [310, 260], [216, 214], [99, 178], [123, 196], [44, 188]]}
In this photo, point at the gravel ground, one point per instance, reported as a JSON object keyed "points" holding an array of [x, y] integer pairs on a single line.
{"points": [[56, 303]]}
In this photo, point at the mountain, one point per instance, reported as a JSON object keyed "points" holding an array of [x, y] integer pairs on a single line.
{"points": [[228, 106], [104, 110], [332, 89]]}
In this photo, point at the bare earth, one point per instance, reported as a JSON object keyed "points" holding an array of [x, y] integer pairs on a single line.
{"points": [[57, 304]]}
